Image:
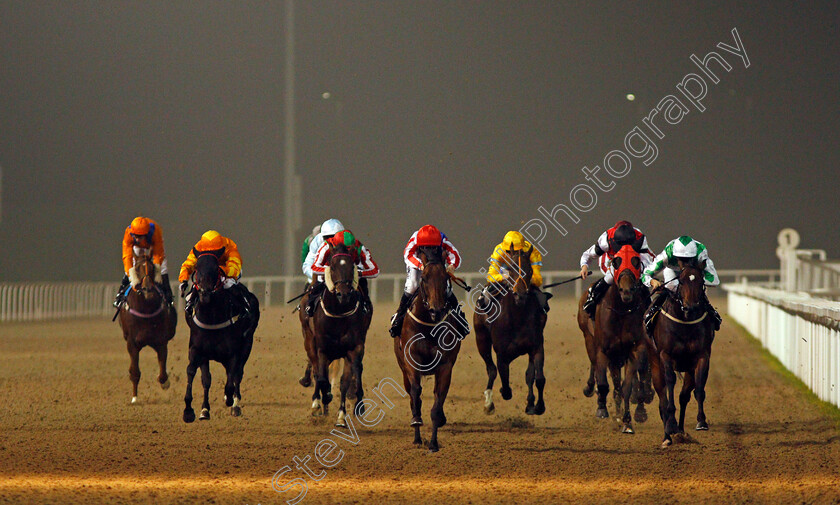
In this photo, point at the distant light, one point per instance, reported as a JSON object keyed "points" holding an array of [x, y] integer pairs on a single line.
{"points": [[631, 96], [325, 95]]}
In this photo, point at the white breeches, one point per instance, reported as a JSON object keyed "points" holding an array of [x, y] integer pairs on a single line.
{"points": [[669, 274], [412, 279]]}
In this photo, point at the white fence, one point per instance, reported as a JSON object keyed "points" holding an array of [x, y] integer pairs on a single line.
{"points": [[42, 301], [802, 331]]}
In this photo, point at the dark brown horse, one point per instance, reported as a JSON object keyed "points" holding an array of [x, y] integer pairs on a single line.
{"points": [[683, 333], [429, 342], [514, 329], [217, 333], [146, 319], [617, 339], [337, 330]]}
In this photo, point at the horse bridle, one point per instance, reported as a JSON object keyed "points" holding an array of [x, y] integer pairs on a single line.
{"points": [[349, 282], [147, 261], [424, 296], [218, 285]]}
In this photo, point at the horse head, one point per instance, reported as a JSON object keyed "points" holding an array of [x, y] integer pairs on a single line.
{"points": [[147, 275], [521, 273], [207, 277], [627, 267], [434, 281], [692, 285], [342, 276]]}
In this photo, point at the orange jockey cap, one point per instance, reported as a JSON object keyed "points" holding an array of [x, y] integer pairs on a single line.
{"points": [[140, 226], [212, 240], [429, 236]]}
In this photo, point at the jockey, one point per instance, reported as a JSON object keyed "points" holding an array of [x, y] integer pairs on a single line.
{"points": [[143, 236], [304, 252], [607, 246], [329, 228], [426, 236], [368, 269], [229, 261], [669, 261], [500, 264]]}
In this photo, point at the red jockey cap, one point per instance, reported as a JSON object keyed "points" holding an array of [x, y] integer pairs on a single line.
{"points": [[429, 236]]}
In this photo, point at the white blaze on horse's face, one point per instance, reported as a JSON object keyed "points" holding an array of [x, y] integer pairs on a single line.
{"points": [[691, 277]]}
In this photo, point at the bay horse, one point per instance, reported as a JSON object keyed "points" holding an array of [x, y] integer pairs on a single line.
{"points": [[146, 319], [217, 334], [616, 338], [516, 329], [683, 333], [337, 330], [429, 342]]}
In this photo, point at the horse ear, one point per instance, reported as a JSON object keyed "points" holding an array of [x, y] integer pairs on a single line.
{"points": [[195, 252]]}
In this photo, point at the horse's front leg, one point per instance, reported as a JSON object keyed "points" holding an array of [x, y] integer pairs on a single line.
{"points": [[322, 382], [503, 363], [134, 367], [485, 348], [163, 378], [415, 391], [700, 391], [657, 375], [618, 397], [602, 363], [529, 381], [443, 378], [189, 413], [231, 400], [539, 376], [344, 386], [627, 390], [357, 369], [205, 383], [670, 381]]}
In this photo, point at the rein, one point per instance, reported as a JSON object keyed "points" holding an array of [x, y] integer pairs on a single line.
{"points": [[680, 321], [217, 326], [424, 323], [339, 316]]}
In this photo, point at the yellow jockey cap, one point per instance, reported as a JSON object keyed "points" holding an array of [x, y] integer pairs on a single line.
{"points": [[513, 240], [212, 240], [140, 226]]}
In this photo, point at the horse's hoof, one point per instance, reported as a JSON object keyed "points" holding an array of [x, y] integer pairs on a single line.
{"points": [[489, 409], [433, 446], [602, 413], [189, 415], [418, 442], [305, 381], [507, 394], [640, 416], [341, 422], [205, 415], [235, 411], [133, 400], [588, 391], [530, 410], [628, 429], [228, 400], [165, 384], [702, 426], [540, 408], [417, 421], [665, 443]]}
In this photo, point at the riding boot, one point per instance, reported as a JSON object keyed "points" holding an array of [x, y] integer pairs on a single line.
{"points": [[167, 289], [399, 315], [713, 313], [596, 292], [655, 305], [367, 305], [121, 293], [543, 298], [314, 296]]}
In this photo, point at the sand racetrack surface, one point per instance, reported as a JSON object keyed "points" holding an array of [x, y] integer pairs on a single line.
{"points": [[69, 435]]}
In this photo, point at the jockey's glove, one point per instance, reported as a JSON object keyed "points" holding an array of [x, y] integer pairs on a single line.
{"points": [[183, 288]]}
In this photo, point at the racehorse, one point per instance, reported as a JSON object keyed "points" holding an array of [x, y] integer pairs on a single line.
{"points": [[616, 338], [217, 334], [337, 330], [683, 333], [515, 329], [429, 342], [146, 319]]}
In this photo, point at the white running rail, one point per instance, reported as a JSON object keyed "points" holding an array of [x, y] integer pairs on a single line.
{"points": [[38, 301], [802, 331]]}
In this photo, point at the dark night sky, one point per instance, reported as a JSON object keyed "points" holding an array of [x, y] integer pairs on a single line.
{"points": [[469, 115]]}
